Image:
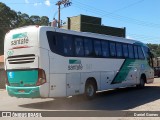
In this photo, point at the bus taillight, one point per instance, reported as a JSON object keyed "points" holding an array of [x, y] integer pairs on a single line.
{"points": [[6, 78], [41, 77]]}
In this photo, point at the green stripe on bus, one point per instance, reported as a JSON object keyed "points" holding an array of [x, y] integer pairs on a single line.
{"points": [[72, 61], [124, 71], [19, 35]]}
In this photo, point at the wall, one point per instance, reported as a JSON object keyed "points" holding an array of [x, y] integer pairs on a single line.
{"points": [[92, 24], [74, 23]]}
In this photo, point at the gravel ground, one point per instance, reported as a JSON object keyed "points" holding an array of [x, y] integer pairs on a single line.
{"points": [[143, 100], [150, 106]]}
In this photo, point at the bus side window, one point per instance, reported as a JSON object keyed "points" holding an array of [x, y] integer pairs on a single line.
{"points": [[88, 47], [146, 51], [97, 48], [51, 40], [55, 43], [105, 49], [131, 52], [140, 53], [112, 49], [136, 52], [125, 50], [79, 51], [68, 45], [119, 50]]}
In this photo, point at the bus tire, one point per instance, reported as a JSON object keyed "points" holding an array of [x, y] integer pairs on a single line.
{"points": [[90, 90], [142, 82]]}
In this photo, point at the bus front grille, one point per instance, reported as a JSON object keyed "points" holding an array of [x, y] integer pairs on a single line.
{"points": [[21, 59]]}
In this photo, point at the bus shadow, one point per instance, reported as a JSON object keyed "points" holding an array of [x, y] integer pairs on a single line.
{"points": [[119, 99]]}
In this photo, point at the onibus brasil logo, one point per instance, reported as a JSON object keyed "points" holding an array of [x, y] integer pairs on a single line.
{"points": [[75, 65]]}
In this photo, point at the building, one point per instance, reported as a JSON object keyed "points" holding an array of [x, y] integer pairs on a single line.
{"points": [[86, 23], [2, 76]]}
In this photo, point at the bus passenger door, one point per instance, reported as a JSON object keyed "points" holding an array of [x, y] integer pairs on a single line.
{"points": [[131, 71], [73, 83], [133, 76]]}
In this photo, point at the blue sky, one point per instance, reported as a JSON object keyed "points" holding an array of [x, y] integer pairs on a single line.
{"points": [[140, 17]]}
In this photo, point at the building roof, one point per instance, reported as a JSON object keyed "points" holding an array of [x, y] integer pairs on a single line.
{"points": [[1, 58]]}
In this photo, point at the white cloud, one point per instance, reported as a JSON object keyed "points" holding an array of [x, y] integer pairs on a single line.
{"points": [[26, 1], [47, 2], [36, 4], [128, 37]]}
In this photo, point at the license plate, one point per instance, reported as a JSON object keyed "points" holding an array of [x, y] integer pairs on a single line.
{"points": [[21, 91]]}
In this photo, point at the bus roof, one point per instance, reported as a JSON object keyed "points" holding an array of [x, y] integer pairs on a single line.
{"points": [[86, 34], [94, 35]]}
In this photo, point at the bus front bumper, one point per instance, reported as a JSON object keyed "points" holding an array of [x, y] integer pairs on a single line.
{"points": [[23, 92]]}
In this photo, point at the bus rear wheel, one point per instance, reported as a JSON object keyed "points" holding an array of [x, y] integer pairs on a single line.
{"points": [[90, 90]]}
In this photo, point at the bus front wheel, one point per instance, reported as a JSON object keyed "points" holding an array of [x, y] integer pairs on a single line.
{"points": [[142, 82], [90, 90]]}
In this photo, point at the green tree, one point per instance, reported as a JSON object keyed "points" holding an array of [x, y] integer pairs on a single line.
{"points": [[8, 20], [24, 19], [36, 19], [155, 48], [44, 20], [8, 17]]}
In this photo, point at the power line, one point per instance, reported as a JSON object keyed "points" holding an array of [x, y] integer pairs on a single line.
{"points": [[144, 38], [116, 16], [130, 5], [66, 3], [111, 15], [53, 3]]}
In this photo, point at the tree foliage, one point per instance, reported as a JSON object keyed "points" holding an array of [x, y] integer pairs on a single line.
{"points": [[155, 48], [44, 20], [24, 19], [10, 19]]}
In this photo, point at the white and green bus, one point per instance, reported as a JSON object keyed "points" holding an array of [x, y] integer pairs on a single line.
{"points": [[42, 61]]}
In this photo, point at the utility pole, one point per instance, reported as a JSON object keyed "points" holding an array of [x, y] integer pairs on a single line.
{"points": [[66, 3]]}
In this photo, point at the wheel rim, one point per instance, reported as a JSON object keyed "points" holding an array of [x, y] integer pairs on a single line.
{"points": [[90, 90]]}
